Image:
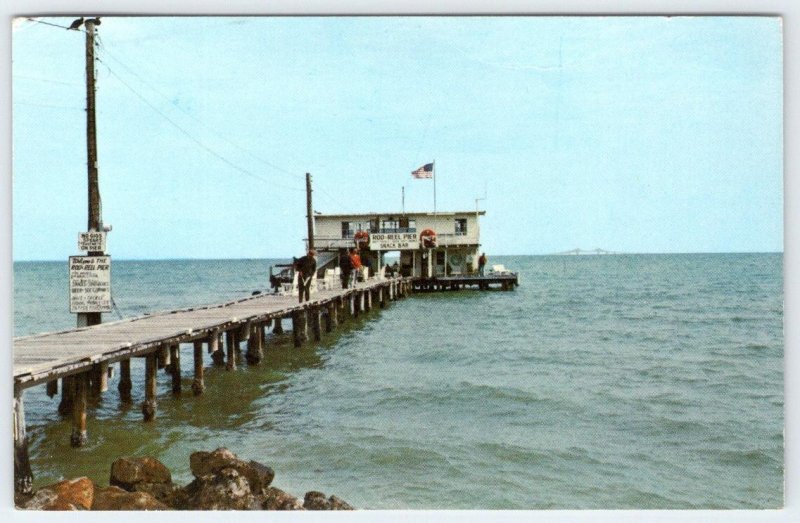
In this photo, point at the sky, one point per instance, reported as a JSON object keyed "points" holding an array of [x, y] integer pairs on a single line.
{"points": [[631, 134]]}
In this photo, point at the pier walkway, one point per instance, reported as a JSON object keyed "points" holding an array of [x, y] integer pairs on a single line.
{"points": [[80, 358]]}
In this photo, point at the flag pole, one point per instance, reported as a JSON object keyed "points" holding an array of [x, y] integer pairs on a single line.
{"points": [[434, 187]]}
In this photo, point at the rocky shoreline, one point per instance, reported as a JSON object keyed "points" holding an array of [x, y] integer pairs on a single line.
{"points": [[222, 482]]}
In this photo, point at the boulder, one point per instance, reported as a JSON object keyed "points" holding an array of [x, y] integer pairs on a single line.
{"points": [[315, 500], [204, 463], [227, 489], [115, 498], [276, 499], [166, 493], [70, 494], [128, 472]]}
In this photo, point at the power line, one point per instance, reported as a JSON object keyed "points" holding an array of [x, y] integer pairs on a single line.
{"points": [[195, 140], [165, 97]]}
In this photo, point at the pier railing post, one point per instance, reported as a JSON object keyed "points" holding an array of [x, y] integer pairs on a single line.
{"points": [[23, 476], [150, 369], [198, 386], [125, 384], [79, 436], [175, 356]]}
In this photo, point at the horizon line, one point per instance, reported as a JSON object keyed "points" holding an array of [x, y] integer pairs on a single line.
{"points": [[560, 254]]}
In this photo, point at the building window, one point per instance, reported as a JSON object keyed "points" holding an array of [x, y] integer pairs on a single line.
{"points": [[350, 228], [461, 226]]}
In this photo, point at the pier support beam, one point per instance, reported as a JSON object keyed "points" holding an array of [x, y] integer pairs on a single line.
{"points": [[382, 298], [314, 319], [255, 344], [217, 356], [175, 357], [23, 476], [299, 331], [163, 357], [52, 388], [198, 386], [99, 378], [125, 384], [150, 369], [278, 329], [67, 395], [231, 345], [79, 436]]}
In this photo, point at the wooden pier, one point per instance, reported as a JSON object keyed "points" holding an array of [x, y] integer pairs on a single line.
{"points": [[80, 358], [505, 282]]}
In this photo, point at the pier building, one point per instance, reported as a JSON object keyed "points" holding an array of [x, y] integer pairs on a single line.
{"points": [[427, 244]]}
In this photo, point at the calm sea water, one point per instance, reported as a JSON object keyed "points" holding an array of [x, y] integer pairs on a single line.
{"points": [[626, 381]]}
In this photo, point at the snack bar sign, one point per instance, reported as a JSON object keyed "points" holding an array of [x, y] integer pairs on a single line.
{"points": [[93, 241], [393, 241], [89, 284]]}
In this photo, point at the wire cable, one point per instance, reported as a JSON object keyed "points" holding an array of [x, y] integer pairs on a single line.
{"points": [[195, 140]]}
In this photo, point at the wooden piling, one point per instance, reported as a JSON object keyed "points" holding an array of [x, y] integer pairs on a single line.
{"points": [[52, 388], [231, 346], [314, 319], [99, 378], [217, 356], [254, 344], [299, 331], [198, 386], [125, 384], [150, 369], [278, 329], [175, 356], [163, 357], [23, 475], [79, 436], [67, 395]]}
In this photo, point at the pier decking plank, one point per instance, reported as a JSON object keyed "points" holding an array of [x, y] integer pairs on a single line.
{"points": [[47, 356]]}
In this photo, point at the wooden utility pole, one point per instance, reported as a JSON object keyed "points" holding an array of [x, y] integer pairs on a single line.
{"points": [[309, 212], [95, 222]]}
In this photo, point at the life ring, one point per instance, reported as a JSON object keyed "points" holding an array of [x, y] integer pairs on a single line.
{"points": [[428, 238], [361, 238]]}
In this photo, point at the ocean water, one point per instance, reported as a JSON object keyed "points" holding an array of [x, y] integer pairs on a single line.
{"points": [[621, 381]]}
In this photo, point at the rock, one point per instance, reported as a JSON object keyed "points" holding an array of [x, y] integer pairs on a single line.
{"points": [[70, 494], [276, 499], [128, 472], [115, 498], [166, 493], [339, 504], [315, 500], [203, 463], [225, 490]]}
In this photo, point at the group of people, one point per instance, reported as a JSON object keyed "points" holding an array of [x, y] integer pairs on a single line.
{"points": [[349, 267]]}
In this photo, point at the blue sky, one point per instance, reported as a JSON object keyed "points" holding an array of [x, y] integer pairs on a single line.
{"points": [[635, 134]]}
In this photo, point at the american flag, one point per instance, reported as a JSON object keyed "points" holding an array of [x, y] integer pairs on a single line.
{"points": [[426, 171]]}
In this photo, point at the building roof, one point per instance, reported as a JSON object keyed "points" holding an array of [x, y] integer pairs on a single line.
{"points": [[395, 213]]}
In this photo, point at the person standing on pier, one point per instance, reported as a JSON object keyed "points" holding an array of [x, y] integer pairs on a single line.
{"points": [[481, 264], [345, 269], [305, 267], [356, 261]]}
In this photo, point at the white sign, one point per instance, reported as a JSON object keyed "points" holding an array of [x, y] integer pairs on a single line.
{"points": [[89, 284], [393, 241], [92, 241]]}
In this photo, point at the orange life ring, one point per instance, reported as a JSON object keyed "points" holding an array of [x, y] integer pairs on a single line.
{"points": [[361, 237], [428, 237]]}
